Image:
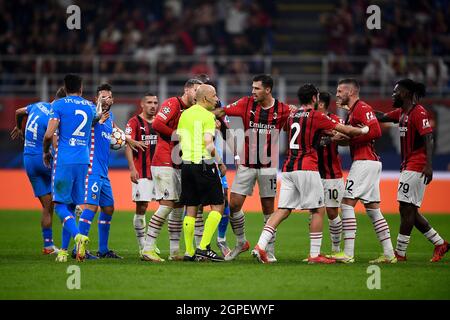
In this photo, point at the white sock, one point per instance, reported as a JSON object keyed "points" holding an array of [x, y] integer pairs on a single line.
{"points": [[175, 226], [265, 237], [335, 227], [349, 229], [237, 221], [402, 244], [382, 230], [199, 227], [271, 244], [434, 237], [139, 228], [155, 225], [315, 243]]}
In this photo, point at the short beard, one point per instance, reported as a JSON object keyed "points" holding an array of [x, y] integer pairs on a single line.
{"points": [[398, 103]]}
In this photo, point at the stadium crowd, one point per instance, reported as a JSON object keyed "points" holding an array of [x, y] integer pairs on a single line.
{"points": [[142, 31], [402, 35]]}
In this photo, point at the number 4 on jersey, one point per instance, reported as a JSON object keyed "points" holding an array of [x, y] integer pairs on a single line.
{"points": [[33, 126]]}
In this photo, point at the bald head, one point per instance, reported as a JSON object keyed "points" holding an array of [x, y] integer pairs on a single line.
{"points": [[206, 96]]}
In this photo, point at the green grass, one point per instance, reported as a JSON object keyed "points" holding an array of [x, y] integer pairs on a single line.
{"points": [[26, 274]]}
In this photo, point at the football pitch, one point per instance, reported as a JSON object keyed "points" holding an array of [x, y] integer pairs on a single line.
{"points": [[26, 274]]}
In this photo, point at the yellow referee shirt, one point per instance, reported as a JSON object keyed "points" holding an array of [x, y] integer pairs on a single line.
{"points": [[192, 126]]}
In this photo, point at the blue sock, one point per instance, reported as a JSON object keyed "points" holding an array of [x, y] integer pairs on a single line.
{"points": [[66, 236], [47, 235], [104, 224], [223, 224], [84, 224], [67, 219]]}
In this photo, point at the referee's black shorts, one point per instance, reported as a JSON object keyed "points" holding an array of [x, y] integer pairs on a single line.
{"points": [[200, 185]]}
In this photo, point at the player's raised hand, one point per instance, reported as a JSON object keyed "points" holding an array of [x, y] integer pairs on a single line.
{"points": [[427, 174], [218, 124], [134, 175], [16, 133], [47, 158], [136, 145]]}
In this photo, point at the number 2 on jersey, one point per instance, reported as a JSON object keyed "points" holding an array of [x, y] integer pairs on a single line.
{"points": [[292, 143], [78, 131]]}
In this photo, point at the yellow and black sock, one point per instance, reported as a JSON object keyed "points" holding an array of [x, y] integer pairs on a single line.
{"points": [[211, 224], [188, 229]]}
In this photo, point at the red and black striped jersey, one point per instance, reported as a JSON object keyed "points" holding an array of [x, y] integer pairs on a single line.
{"points": [[329, 161], [413, 125], [262, 125], [304, 130], [165, 123], [363, 147], [142, 130]]}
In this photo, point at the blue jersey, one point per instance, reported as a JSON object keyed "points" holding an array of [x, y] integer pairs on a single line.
{"points": [[75, 115], [219, 142], [100, 147], [38, 116]]}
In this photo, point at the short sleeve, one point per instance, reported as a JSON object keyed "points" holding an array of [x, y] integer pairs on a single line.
{"points": [[210, 125], [28, 109], [324, 122], [168, 110], [365, 115], [55, 112], [237, 108], [131, 128], [285, 112], [93, 109], [421, 122]]}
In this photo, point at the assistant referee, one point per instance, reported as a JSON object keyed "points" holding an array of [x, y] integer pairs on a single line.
{"points": [[200, 181]]}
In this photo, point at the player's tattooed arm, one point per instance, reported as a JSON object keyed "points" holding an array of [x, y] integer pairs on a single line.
{"points": [[104, 116], [17, 131], [427, 172], [383, 117]]}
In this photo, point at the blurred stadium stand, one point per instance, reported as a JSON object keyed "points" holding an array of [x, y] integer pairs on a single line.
{"points": [[141, 46]]}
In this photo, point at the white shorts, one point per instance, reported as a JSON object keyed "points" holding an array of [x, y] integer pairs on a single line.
{"points": [[167, 181], [143, 190], [334, 191], [245, 180], [301, 190], [411, 187], [363, 181]]}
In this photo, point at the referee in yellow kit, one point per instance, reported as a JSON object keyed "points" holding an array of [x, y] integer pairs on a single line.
{"points": [[200, 181]]}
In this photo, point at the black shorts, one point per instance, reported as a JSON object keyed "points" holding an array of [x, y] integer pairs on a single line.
{"points": [[200, 185]]}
